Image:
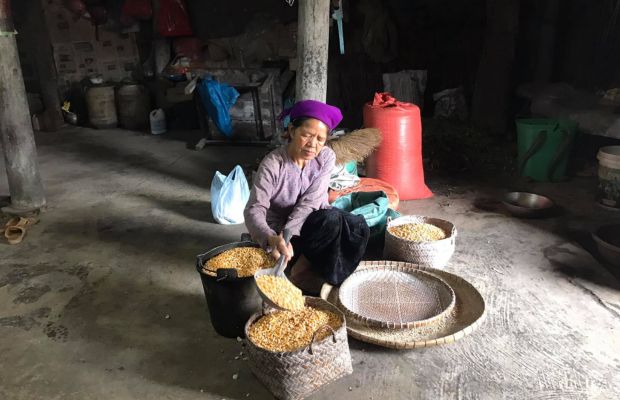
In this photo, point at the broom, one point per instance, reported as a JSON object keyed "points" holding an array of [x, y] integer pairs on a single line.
{"points": [[355, 146]]}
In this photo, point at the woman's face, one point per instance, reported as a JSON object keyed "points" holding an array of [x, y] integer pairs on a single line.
{"points": [[308, 140]]}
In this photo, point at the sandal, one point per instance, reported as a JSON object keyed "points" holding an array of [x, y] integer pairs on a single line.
{"points": [[21, 221], [14, 234], [15, 228]]}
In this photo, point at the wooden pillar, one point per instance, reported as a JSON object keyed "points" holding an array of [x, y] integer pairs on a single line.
{"points": [[312, 49], [46, 68], [16, 135], [493, 88], [546, 45]]}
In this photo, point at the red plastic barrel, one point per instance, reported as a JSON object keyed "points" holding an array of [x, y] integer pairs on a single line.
{"points": [[398, 160]]}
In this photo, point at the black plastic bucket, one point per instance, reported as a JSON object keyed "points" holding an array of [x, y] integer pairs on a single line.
{"points": [[231, 301]]}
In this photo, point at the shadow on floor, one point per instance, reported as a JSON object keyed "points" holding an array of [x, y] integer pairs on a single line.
{"points": [[191, 167], [370, 348], [5, 201], [572, 219], [142, 235], [495, 205], [197, 210], [584, 239], [125, 160], [159, 333]]}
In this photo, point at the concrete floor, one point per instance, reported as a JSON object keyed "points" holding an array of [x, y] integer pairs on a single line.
{"points": [[102, 301]]}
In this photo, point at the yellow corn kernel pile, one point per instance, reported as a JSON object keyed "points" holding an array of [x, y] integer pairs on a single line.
{"points": [[246, 260], [281, 291], [418, 232], [292, 330]]}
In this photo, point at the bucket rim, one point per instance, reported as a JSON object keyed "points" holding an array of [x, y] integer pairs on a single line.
{"points": [[537, 121], [201, 258], [609, 152], [546, 121]]}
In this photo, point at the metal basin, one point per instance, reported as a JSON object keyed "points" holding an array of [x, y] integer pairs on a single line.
{"points": [[607, 240], [527, 205]]}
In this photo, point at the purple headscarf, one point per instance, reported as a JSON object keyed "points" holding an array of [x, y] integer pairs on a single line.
{"points": [[329, 115]]}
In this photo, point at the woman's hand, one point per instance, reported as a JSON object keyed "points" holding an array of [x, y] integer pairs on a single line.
{"points": [[279, 247]]}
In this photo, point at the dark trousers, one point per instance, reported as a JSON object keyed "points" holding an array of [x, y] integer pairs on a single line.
{"points": [[334, 241]]}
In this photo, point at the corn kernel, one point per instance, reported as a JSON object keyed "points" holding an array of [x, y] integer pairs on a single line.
{"points": [[281, 292], [418, 232], [246, 260], [292, 330]]}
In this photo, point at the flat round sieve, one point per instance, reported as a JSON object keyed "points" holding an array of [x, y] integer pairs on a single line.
{"points": [[396, 298]]}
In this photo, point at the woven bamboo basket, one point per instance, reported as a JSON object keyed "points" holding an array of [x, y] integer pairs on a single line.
{"points": [[468, 314], [297, 374], [434, 254], [396, 297]]}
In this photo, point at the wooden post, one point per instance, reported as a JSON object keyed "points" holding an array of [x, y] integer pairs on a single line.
{"points": [[16, 134], [547, 42], [46, 68], [312, 47], [493, 87]]}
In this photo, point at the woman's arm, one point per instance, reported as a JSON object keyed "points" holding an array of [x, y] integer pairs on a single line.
{"points": [[316, 194], [255, 212]]}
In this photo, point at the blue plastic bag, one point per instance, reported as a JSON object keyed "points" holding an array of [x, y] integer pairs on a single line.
{"points": [[218, 98], [229, 195]]}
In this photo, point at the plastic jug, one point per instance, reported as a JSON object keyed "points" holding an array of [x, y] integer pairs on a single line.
{"points": [[158, 121]]}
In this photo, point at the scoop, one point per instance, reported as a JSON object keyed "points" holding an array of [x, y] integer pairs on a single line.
{"points": [[278, 271]]}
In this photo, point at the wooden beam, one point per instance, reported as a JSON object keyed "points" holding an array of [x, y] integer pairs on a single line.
{"points": [[493, 88], [16, 135], [547, 43], [312, 49], [48, 79]]}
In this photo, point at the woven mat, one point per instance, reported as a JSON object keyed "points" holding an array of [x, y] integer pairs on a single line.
{"points": [[467, 315]]}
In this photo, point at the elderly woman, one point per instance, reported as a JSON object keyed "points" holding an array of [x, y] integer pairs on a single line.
{"points": [[290, 191]]}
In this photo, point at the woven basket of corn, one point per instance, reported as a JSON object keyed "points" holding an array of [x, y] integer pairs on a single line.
{"points": [[420, 240], [295, 374]]}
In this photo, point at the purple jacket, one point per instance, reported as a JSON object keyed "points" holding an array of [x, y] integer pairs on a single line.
{"points": [[283, 195]]}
